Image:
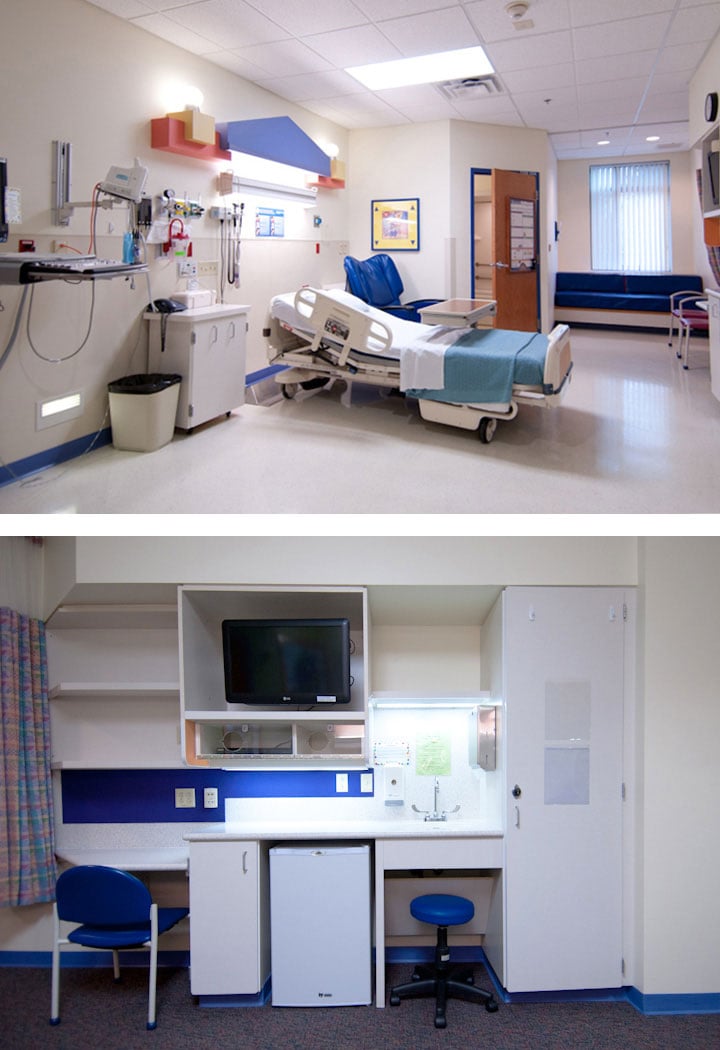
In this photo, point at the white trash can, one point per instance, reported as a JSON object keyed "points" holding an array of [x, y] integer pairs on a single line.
{"points": [[142, 411]]}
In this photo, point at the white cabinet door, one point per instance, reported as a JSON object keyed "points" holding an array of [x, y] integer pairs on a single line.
{"points": [[226, 919], [564, 679]]}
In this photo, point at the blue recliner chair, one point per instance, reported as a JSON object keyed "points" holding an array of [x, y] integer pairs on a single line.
{"points": [[376, 281]]}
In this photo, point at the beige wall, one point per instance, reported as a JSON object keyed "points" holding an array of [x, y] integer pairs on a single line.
{"points": [[574, 213], [96, 82]]}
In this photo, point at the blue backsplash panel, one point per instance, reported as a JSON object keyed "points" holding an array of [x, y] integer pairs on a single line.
{"points": [[147, 796]]}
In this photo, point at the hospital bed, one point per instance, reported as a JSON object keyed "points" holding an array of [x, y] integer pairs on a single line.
{"points": [[468, 378]]}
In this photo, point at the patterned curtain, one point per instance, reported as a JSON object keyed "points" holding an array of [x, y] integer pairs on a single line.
{"points": [[27, 857], [713, 253]]}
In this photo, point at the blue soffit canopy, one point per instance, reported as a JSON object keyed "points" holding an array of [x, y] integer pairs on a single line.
{"points": [[274, 138]]}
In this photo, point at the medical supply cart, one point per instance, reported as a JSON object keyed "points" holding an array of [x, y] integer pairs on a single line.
{"points": [[320, 923], [206, 346]]}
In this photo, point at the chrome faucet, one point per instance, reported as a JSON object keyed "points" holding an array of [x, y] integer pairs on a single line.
{"points": [[436, 814]]}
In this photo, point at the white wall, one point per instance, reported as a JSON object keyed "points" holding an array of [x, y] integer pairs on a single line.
{"points": [[433, 162], [679, 729], [574, 212], [21, 575], [97, 81]]}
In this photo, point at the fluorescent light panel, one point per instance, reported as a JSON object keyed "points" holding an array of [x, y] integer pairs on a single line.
{"points": [[423, 69]]}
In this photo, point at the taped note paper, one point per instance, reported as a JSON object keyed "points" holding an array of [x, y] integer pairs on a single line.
{"points": [[432, 756]]}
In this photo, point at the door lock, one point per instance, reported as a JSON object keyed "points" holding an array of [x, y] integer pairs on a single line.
{"points": [[516, 791]]}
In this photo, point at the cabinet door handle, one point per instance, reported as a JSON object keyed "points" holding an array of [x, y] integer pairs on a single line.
{"points": [[245, 867], [213, 334], [231, 331], [517, 816]]}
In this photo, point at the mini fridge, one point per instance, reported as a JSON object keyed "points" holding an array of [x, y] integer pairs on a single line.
{"points": [[320, 925]]}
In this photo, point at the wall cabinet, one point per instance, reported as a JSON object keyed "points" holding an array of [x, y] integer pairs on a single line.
{"points": [[229, 918], [216, 733], [206, 346], [710, 179]]}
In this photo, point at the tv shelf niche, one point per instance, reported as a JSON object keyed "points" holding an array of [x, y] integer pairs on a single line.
{"points": [[216, 733]]}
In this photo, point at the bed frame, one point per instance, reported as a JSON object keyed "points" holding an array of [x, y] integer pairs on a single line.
{"points": [[332, 340]]}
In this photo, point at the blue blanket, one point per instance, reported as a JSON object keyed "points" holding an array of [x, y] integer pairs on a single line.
{"points": [[485, 362]]}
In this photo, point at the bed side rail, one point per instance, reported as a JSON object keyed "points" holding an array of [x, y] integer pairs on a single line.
{"points": [[339, 324]]}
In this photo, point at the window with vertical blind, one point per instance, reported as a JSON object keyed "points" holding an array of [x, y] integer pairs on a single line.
{"points": [[630, 217]]}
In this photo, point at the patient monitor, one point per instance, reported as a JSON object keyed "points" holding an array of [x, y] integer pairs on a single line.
{"points": [[127, 183]]}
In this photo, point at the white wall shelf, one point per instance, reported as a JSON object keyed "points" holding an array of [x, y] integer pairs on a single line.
{"points": [[115, 690]]}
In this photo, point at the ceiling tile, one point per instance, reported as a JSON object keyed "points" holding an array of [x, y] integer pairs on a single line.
{"points": [[531, 51], [443, 30], [357, 46], [619, 38], [176, 34], [284, 58], [230, 23], [306, 17]]}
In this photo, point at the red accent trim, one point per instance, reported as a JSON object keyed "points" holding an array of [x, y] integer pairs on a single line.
{"points": [[168, 133]]}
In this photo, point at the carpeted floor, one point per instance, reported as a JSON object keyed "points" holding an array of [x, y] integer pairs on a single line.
{"points": [[97, 1013]]}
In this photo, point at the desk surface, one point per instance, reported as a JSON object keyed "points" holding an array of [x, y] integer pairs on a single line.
{"points": [[345, 829], [155, 858]]}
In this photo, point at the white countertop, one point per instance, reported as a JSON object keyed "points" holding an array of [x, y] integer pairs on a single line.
{"points": [[345, 829], [129, 858]]}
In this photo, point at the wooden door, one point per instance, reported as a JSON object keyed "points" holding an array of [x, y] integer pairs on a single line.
{"points": [[514, 269], [564, 683]]}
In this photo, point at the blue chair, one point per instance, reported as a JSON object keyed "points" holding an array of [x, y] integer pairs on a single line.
{"points": [[115, 910], [376, 281], [442, 980]]}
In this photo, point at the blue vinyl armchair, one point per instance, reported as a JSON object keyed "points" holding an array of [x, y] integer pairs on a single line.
{"points": [[115, 911], [376, 281]]}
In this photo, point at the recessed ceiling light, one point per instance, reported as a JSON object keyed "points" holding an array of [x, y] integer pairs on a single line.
{"points": [[653, 138], [423, 69]]}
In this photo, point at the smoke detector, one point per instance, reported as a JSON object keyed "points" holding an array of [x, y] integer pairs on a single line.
{"points": [[469, 89], [517, 10]]}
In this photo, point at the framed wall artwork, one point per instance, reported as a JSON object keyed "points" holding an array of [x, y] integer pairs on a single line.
{"points": [[395, 225]]}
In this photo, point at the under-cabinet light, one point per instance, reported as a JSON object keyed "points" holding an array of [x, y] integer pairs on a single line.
{"points": [[273, 189], [423, 69]]}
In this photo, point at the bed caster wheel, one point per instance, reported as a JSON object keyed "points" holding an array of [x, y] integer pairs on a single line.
{"points": [[289, 390], [488, 427]]}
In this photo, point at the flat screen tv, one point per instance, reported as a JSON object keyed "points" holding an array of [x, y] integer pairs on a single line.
{"points": [[282, 661]]}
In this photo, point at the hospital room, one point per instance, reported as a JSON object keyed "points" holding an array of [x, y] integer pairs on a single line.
{"points": [[479, 795], [198, 202]]}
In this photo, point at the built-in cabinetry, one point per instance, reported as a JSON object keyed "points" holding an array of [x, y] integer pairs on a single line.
{"points": [[113, 686], [216, 733], [229, 918], [206, 346], [562, 658], [711, 186]]}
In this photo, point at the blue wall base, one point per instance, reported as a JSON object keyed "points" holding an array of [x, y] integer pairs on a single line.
{"points": [[708, 1003], [51, 457]]}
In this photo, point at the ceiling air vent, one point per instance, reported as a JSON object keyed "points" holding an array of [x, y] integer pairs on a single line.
{"points": [[470, 89]]}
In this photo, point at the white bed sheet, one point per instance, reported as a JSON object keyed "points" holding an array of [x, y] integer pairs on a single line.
{"points": [[420, 348]]}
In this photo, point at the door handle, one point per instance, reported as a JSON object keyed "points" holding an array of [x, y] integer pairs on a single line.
{"points": [[500, 265], [244, 862], [517, 816]]}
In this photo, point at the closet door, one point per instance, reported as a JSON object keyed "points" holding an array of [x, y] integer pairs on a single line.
{"points": [[564, 676]]}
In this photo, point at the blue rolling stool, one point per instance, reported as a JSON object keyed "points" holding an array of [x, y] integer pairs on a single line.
{"points": [[442, 980]]}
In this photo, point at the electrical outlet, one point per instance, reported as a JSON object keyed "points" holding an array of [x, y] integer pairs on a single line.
{"points": [[184, 798], [207, 268], [187, 268], [366, 783], [341, 783], [210, 798]]}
